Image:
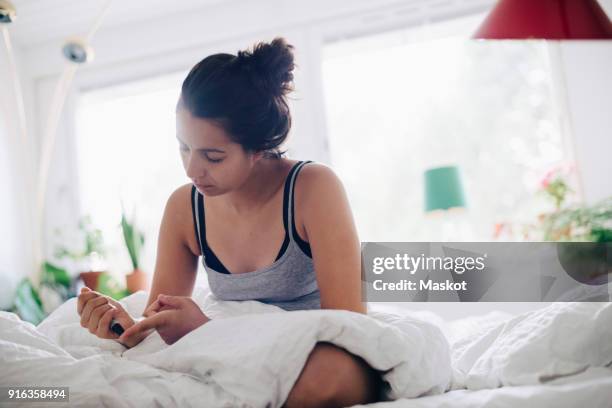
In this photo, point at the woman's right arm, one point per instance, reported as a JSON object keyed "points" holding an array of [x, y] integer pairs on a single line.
{"points": [[176, 264], [175, 270]]}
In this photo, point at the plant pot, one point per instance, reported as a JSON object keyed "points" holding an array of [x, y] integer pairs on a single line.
{"points": [[90, 279], [585, 262], [135, 281]]}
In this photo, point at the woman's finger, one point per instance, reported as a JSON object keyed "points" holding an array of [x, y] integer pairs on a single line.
{"points": [[166, 307], [140, 328], [158, 306], [174, 301], [89, 306], [94, 318], [152, 309], [115, 303], [103, 329], [85, 297], [92, 304]]}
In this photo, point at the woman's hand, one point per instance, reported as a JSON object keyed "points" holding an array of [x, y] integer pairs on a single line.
{"points": [[97, 311], [172, 317]]}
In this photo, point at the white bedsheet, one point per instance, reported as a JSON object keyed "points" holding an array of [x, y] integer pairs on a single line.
{"points": [[249, 354], [557, 341], [590, 389], [558, 356]]}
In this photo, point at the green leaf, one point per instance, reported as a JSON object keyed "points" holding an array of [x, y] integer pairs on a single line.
{"points": [[55, 274], [601, 235], [110, 287], [133, 239], [28, 304]]}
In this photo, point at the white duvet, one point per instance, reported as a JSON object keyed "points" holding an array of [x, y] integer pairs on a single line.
{"points": [[561, 340], [251, 354]]}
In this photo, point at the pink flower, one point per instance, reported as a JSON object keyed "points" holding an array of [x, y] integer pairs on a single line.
{"points": [[547, 178], [559, 170], [499, 227]]}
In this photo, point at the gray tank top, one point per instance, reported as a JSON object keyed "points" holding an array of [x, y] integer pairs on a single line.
{"points": [[289, 282]]}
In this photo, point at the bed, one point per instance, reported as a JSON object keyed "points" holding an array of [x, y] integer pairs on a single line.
{"points": [[251, 354], [590, 389], [473, 332]]}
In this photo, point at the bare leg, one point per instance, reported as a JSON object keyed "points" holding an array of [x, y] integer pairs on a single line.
{"points": [[333, 377]]}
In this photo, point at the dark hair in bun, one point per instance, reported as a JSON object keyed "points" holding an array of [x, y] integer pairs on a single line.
{"points": [[246, 94]]}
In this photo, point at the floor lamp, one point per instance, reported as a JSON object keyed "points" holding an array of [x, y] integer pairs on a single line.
{"points": [[76, 51]]}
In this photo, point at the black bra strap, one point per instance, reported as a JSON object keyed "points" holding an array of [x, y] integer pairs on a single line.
{"points": [[304, 246], [286, 196], [196, 216]]}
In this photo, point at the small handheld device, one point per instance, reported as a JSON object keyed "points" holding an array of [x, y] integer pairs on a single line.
{"points": [[116, 327]]}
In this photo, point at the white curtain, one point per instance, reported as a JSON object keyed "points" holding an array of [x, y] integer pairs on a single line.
{"points": [[16, 199]]}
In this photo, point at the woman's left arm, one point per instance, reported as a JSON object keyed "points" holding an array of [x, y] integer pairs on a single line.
{"points": [[331, 232]]}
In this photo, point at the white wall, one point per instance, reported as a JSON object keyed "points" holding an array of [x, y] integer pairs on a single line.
{"points": [[588, 75]]}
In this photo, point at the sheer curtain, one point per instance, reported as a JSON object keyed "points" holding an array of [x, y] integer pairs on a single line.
{"points": [[16, 203], [23, 174]]}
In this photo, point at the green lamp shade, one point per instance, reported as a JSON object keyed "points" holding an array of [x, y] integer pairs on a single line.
{"points": [[443, 189]]}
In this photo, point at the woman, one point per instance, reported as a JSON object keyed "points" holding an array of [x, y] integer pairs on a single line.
{"points": [[232, 117]]}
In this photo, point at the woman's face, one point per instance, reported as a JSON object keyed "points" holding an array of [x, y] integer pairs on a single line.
{"points": [[214, 163]]}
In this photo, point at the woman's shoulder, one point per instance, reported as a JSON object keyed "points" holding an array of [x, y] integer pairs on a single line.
{"points": [[317, 176], [319, 198], [179, 213], [316, 185], [181, 197]]}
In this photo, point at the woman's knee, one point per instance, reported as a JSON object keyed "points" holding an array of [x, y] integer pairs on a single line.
{"points": [[355, 381], [314, 386], [332, 377]]}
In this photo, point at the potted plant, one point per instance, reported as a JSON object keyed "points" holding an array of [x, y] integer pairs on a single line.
{"points": [[88, 259], [33, 303], [573, 222], [566, 222], [134, 242]]}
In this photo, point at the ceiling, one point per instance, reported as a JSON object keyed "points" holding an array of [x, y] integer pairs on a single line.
{"points": [[39, 21]]}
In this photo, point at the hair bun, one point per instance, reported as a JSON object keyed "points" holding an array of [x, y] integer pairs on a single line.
{"points": [[272, 63]]}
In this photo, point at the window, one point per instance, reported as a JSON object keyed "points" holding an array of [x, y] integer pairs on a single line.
{"points": [[127, 150], [401, 102]]}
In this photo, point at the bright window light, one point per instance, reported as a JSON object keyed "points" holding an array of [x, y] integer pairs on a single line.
{"points": [[404, 101], [127, 151]]}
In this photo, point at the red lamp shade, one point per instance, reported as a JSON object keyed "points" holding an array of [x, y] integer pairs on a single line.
{"points": [[546, 19]]}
